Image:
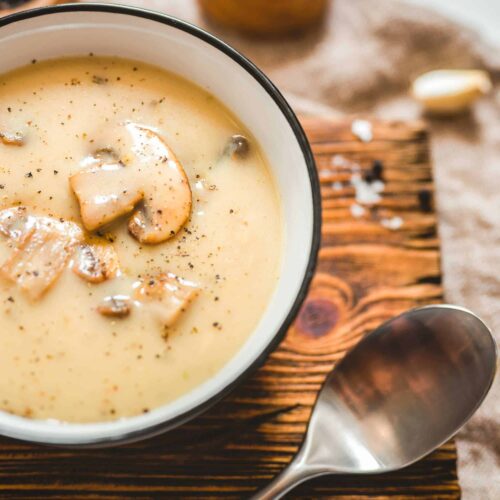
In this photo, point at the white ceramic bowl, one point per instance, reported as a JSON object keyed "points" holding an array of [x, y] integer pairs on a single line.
{"points": [[77, 29]]}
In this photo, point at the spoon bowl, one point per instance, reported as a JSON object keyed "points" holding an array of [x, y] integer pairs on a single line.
{"points": [[404, 390]]}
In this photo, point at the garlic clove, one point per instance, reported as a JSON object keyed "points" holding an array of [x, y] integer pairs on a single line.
{"points": [[450, 91]]}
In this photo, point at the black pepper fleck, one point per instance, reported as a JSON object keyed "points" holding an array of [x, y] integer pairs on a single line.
{"points": [[378, 170], [425, 200]]}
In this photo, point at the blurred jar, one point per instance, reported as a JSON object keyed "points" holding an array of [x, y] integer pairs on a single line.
{"points": [[265, 17], [10, 6]]}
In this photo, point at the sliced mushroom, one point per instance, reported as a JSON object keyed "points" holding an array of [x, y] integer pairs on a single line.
{"points": [[107, 155], [12, 139], [115, 306], [14, 222], [43, 248], [166, 296], [96, 262], [238, 146], [39, 258], [105, 192], [167, 200], [167, 194], [107, 188]]}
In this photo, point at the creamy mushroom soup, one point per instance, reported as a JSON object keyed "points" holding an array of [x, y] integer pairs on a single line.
{"points": [[140, 238]]}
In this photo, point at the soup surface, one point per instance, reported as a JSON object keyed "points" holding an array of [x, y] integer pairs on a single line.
{"points": [[140, 238]]}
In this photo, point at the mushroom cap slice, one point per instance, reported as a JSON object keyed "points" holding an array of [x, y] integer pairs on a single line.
{"points": [[166, 296], [238, 147], [14, 222], [11, 139], [108, 188], [96, 263], [43, 249], [167, 194], [115, 306]]}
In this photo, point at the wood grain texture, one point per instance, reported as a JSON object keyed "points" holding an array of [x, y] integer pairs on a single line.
{"points": [[366, 274]]}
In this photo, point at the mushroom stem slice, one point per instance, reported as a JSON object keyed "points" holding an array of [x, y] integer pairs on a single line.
{"points": [[96, 263], [166, 296], [167, 194], [105, 193]]}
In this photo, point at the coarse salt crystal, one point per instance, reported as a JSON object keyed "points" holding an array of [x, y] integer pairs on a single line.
{"points": [[378, 186], [393, 223], [339, 161], [362, 129], [356, 179], [357, 210], [366, 195]]}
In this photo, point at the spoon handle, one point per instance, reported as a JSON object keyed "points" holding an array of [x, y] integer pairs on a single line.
{"points": [[294, 474]]}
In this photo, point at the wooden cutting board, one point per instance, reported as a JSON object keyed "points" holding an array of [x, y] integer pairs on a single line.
{"points": [[367, 273]]}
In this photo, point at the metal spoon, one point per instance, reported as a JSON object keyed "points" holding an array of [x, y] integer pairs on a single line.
{"points": [[404, 390]]}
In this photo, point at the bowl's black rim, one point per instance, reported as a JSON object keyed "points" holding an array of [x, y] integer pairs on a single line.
{"points": [[284, 107]]}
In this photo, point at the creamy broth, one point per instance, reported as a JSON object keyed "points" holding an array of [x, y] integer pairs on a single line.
{"points": [[59, 357]]}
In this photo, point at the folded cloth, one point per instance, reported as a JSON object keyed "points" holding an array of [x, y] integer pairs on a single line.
{"points": [[361, 60]]}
